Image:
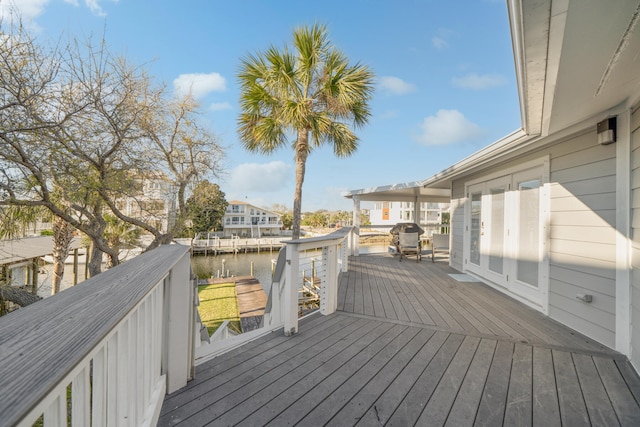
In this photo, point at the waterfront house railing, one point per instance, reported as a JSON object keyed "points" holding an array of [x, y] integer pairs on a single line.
{"points": [[320, 260], [332, 252], [104, 352]]}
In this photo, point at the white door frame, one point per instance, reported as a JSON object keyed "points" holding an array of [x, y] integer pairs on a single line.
{"points": [[534, 296]]}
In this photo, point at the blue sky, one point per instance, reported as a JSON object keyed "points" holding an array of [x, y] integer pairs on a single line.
{"points": [[445, 81]]}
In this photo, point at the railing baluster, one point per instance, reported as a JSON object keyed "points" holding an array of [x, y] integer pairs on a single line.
{"points": [[56, 413], [99, 388], [132, 382], [81, 399]]}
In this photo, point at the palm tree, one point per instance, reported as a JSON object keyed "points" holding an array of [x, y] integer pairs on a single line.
{"points": [[62, 238], [311, 92], [119, 234]]}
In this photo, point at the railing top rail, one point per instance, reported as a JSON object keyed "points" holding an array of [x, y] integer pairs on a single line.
{"points": [[41, 343], [335, 236]]}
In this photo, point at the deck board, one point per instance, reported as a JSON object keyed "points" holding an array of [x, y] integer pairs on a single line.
{"points": [[386, 403], [518, 410], [621, 396], [494, 396], [337, 392], [410, 345], [572, 408], [595, 396], [465, 407], [366, 395], [545, 394], [437, 409]]}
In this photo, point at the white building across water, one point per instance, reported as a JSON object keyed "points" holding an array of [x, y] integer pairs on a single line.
{"points": [[391, 213], [244, 220]]}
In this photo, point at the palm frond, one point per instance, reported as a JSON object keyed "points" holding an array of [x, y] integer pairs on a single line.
{"points": [[310, 89]]}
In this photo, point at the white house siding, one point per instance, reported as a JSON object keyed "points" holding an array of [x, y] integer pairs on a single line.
{"points": [[581, 235], [582, 254], [635, 224]]}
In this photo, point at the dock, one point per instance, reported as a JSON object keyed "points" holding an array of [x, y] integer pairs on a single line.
{"points": [[236, 245], [252, 300]]}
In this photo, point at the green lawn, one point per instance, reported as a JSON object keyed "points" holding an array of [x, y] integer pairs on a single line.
{"points": [[219, 302]]}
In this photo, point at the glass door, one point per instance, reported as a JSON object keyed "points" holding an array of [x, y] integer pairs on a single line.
{"points": [[528, 231], [487, 228], [496, 228], [476, 227], [506, 232]]}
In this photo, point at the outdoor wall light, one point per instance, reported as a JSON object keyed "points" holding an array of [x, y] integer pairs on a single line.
{"points": [[607, 131], [585, 297]]}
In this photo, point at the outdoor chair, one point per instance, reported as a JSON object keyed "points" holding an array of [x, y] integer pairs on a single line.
{"points": [[409, 243], [439, 242]]}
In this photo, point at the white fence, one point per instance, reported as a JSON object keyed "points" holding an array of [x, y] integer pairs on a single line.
{"points": [[105, 352]]}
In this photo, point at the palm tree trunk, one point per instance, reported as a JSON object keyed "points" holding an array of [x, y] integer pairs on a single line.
{"points": [[302, 152], [62, 237]]}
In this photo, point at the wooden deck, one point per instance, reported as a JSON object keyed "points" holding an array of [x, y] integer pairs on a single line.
{"points": [[411, 345]]}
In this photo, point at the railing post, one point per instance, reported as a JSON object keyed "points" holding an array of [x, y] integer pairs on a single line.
{"points": [[346, 252], [290, 312], [276, 303], [329, 300], [178, 352], [355, 233]]}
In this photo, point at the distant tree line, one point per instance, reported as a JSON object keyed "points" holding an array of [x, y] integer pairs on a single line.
{"points": [[324, 218]]}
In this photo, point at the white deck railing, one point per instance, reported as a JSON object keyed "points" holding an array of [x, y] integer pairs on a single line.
{"points": [[323, 258], [332, 252], [105, 352]]}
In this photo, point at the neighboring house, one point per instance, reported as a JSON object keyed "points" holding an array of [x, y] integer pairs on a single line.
{"points": [[151, 199], [155, 202], [245, 220], [551, 213], [391, 213]]}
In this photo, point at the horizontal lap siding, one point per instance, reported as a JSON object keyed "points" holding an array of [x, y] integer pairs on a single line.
{"points": [[582, 252], [635, 235]]}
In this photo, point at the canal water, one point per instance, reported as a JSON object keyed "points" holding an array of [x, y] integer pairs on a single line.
{"points": [[203, 266], [241, 264]]}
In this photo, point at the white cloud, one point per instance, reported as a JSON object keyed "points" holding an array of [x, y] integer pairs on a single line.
{"points": [[389, 114], [94, 7], [441, 40], [439, 43], [395, 85], [27, 10], [219, 106], [479, 82], [260, 177], [448, 127], [198, 84]]}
